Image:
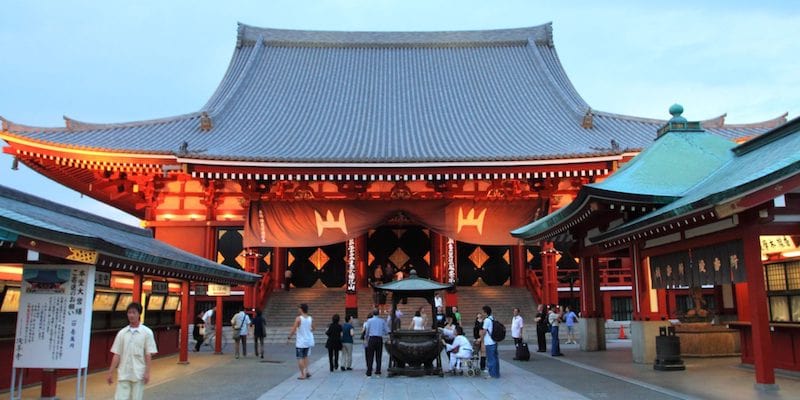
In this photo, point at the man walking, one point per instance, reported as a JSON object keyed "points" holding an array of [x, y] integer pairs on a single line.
{"points": [[209, 318], [492, 361], [133, 349], [240, 324], [375, 330]]}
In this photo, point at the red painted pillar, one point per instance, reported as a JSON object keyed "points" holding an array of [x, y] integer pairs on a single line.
{"points": [[549, 274], [742, 301], [518, 263], [363, 258], [218, 322], [437, 257], [641, 286], [183, 356], [137, 289], [49, 383], [250, 265], [278, 267], [591, 300], [759, 314]]}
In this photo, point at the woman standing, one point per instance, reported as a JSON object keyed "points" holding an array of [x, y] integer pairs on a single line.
{"points": [[303, 325], [334, 342]]}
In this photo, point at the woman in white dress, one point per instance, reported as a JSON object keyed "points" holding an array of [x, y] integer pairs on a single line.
{"points": [[460, 349], [303, 326]]}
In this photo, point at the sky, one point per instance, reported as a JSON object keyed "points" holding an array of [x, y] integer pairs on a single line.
{"points": [[115, 61]]}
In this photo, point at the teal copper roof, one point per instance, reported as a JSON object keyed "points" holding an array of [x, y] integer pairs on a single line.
{"points": [[33, 217], [660, 174], [382, 97], [751, 166]]}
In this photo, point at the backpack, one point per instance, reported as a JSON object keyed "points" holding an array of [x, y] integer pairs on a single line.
{"points": [[498, 331]]}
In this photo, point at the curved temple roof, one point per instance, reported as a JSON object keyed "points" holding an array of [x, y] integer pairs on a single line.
{"points": [[391, 97]]}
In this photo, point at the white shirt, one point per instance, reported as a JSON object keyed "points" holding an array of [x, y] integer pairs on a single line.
{"points": [[516, 327], [553, 318], [487, 326], [437, 302], [461, 342], [207, 317], [304, 338], [243, 320], [131, 344], [418, 323]]}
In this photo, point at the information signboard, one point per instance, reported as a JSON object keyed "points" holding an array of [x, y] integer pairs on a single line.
{"points": [[55, 317], [218, 290]]}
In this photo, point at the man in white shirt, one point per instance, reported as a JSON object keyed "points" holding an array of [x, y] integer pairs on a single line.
{"points": [[437, 301], [555, 320], [211, 328], [492, 360], [240, 324], [133, 348], [516, 327], [460, 349]]}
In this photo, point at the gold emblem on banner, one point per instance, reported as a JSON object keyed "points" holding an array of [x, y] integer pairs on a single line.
{"points": [[329, 222], [471, 220]]}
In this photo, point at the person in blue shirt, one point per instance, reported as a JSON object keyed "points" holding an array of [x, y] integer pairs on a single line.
{"points": [[375, 329]]}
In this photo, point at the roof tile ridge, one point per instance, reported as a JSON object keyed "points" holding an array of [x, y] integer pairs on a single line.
{"points": [[11, 126], [27, 198], [246, 70], [716, 122], [791, 127], [629, 117], [766, 124], [578, 109], [76, 125], [541, 34]]}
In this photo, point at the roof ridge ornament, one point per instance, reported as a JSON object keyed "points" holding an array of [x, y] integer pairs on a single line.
{"points": [[588, 119], [205, 122], [678, 123]]}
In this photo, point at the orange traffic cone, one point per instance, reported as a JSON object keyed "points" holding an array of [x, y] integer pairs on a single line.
{"points": [[622, 333]]}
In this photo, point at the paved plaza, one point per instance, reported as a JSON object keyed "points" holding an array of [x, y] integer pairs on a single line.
{"points": [[578, 375]]}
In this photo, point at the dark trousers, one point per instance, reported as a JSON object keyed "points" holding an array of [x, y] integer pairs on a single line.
{"points": [[199, 339], [374, 349], [333, 358], [517, 341], [555, 347], [540, 332]]}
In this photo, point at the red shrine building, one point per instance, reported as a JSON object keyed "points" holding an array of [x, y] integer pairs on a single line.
{"points": [[330, 154]]}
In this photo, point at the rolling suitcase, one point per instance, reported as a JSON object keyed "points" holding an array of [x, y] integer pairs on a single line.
{"points": [[523, 354]]}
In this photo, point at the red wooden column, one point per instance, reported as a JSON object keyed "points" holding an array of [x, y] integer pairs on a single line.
{"points": [[218, 322], [363, 259], [518, 263], [437, 257], [49, 383], [641, 286], [549, 274], [759, 314], [183, 356], [591, 299], [136, 296], [278, 267], [250, 291]]}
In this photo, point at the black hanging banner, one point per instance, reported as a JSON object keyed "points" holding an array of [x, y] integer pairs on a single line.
{"points": [[719, 264]]}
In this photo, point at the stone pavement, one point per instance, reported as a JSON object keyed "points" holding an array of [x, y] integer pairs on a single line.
{"points": [[514, 383], [578, 375]]}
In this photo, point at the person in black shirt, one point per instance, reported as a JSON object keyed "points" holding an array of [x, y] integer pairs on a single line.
{"points": [[541, 328], [334, 342], [198, 325]]}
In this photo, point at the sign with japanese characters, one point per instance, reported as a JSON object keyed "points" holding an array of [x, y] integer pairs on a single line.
{"points": [[218, 290], [351, 266], [55, 316]]}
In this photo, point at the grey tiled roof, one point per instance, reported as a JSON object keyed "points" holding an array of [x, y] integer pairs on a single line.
{"points": [[37, 218], [306, 96]]}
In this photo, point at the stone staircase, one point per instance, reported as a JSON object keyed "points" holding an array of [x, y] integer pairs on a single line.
{"points": [[281, 310]]}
